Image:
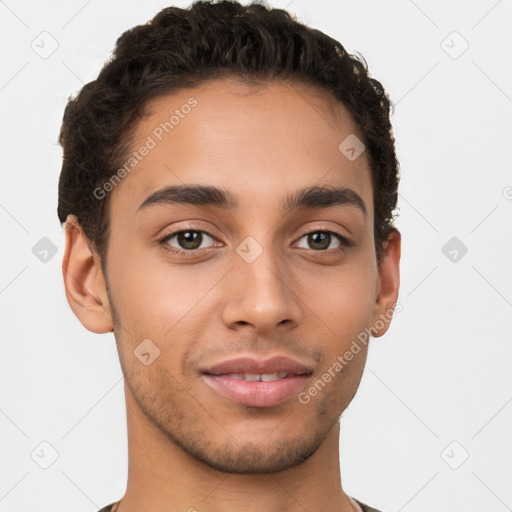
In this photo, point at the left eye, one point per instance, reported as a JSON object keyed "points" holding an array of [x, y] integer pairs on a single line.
{"points": [[189, 240], [321, 240]]}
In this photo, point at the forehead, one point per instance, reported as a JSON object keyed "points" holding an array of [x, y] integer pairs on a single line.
{"points": [[258, 140]]}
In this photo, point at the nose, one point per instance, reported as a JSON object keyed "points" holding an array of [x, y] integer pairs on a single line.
{"points": [[261, 294]]}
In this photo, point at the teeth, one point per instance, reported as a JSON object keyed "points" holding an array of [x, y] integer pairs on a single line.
{"points": [[237, 376], [274, 376], [255, 377], [269, 376]]}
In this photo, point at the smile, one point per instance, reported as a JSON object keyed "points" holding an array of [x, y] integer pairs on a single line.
{"points": [[255, 377]]}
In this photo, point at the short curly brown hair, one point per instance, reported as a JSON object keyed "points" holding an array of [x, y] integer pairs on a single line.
{"points": [[182, 48]]}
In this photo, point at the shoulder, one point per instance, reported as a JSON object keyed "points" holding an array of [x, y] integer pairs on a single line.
{"points": [[364, 507], [108, 508]]}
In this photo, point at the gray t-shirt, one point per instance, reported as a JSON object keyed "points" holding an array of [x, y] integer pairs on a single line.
{"points": [[364, 507]]}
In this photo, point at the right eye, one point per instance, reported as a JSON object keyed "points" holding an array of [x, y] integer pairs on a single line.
{"points": [[187, 240]]}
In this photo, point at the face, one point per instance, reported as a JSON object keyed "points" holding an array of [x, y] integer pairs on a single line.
{"points": [[232, 299]]}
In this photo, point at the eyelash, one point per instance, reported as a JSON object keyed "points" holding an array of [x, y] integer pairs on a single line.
{"points": [[345, 242]]}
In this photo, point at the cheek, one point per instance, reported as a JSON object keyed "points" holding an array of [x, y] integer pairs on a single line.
{"points": [[344, 300], [163, 304], [151, 293]]}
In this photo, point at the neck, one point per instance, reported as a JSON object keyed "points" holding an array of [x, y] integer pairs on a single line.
{"points": [[164, 478]]}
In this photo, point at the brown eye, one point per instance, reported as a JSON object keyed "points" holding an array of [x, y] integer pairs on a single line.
{"points": [[319, 241], [323, 240], [188, 240]]}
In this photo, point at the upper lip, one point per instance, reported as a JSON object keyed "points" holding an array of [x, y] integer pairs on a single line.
{"points": [[252, 365]]}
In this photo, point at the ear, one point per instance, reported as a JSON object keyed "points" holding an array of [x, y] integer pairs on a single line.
{"points": [[388, 285], [84, 282]]}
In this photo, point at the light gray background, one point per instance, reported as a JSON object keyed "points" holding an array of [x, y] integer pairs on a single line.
{"points": [[437, 386]]}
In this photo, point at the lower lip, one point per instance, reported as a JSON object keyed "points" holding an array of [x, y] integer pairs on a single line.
{"points": [[258, 393]]}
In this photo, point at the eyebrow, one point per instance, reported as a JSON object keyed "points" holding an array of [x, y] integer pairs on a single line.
{"points": [[207, 195]]}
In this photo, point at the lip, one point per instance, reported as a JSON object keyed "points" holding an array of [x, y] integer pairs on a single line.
{"points": [[257, 393], [274, 364]]}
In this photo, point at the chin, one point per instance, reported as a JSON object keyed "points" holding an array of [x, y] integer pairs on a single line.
{"points": [[250, 458]]}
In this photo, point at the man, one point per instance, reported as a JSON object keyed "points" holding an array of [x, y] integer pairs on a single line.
{"points": [[228, 187]]}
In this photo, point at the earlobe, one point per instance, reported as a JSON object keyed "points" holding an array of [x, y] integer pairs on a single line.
{"points": [[84, 281], [388, 285]]}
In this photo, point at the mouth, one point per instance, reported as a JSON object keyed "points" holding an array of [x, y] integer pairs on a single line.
{"points": [[256, 383], [258, 377]]}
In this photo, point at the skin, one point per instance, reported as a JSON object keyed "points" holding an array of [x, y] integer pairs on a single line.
{"points": [[189, 447]]}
